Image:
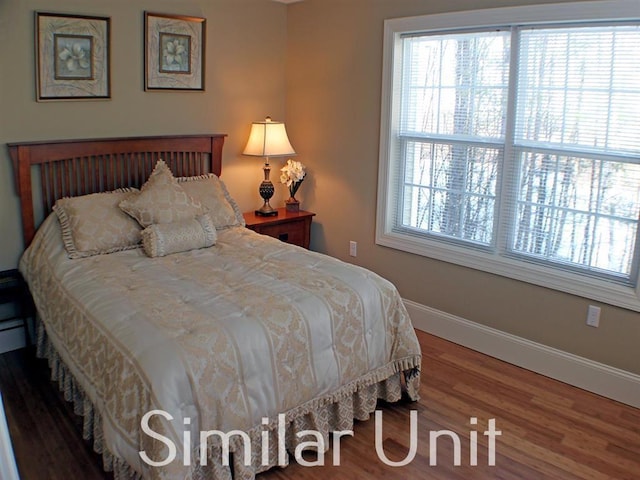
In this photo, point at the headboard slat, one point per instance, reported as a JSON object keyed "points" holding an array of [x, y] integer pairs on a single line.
{"points": [[81, 167], [46, 194], [73, 173]]}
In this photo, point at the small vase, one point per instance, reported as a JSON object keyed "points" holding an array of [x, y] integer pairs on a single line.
{"points": [[292, 205]]}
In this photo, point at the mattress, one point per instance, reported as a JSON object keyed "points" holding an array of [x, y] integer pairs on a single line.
{"points": [[249, 335]]}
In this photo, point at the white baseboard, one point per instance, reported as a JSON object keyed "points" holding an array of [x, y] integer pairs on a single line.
{"points": [[580, 372]]}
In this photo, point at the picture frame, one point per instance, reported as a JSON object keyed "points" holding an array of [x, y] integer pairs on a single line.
{"points": [[174, 52], [72, 57]]}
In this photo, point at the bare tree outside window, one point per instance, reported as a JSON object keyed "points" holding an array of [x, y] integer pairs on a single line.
{"points": [[570, 155], [577, 205], [454, 129]]}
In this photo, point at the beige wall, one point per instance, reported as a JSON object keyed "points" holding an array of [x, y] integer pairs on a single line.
{"points": [[245, 80], [319, 62], [334, 65]]}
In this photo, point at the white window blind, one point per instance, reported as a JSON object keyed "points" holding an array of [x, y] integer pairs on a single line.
{"points": [[577, 147], [452, 128], [515, 148]]}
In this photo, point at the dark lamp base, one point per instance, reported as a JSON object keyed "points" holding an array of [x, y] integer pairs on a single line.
{"points": [[266, 212]]}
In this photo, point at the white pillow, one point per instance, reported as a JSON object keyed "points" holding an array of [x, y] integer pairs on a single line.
{"points": [[212, 193], [94, 225], [161, 200], [165, 238]]}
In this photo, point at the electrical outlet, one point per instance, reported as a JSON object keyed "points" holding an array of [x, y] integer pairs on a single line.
{"points": [[593, 316], [353, 248]]}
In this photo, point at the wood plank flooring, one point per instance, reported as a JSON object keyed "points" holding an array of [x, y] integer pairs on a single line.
{"points": [[548, 429]]}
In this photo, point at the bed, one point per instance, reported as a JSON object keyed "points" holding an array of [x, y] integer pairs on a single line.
{"points": [[250, 340]]}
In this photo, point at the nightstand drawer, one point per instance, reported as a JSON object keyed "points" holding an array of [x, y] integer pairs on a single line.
{"points": [[287, 232], [290, 227]]}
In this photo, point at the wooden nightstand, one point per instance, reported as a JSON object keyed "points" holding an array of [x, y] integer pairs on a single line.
{"points": [[294, 228], [13, 289]]}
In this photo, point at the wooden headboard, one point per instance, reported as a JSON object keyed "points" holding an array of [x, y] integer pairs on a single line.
{"points": [[81, 167]]}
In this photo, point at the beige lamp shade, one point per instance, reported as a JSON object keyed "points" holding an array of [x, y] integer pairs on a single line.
{"points": [[268, 139]]}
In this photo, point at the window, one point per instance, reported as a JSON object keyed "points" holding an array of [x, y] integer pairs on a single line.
{"points": [[515, 147]]}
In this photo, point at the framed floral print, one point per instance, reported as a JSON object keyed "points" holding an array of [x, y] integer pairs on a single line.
{"points": [[72, 57], [173, 52]]}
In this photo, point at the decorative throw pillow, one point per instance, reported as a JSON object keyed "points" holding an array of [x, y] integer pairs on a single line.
{"points": [[161, 200], [212, 193], [93, 224], [163, 239]]}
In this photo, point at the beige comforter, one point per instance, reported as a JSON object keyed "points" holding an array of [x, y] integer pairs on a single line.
{"points": [[220, 338]]}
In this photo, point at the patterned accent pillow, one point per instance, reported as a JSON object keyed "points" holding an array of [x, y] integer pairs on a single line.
{"points": [[93, 224], [214, 196], [161, 200], [163, 239]]}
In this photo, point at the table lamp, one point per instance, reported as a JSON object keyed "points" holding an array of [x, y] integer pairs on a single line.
{"points": [[268, 139]]}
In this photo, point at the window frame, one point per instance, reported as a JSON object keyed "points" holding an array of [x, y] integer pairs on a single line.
{"points": [[498, 261]]}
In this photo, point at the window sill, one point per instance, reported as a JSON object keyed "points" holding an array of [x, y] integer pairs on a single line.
{"points": [[591, 288]]}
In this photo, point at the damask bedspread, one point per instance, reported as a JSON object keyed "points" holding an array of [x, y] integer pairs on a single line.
{"points": [[223, 338]]}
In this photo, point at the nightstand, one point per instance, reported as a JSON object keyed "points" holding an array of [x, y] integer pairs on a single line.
{"points": [[13, 289], [294, 228]]}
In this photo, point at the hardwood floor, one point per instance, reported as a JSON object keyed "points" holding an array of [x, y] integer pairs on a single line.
{"points": [[548, 429]]}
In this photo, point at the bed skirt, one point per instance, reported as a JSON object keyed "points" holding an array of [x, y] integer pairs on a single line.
{"points": [[330, 413]]}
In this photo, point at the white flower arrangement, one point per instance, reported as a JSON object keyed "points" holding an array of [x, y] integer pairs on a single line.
{"points": [[292, 175]]}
